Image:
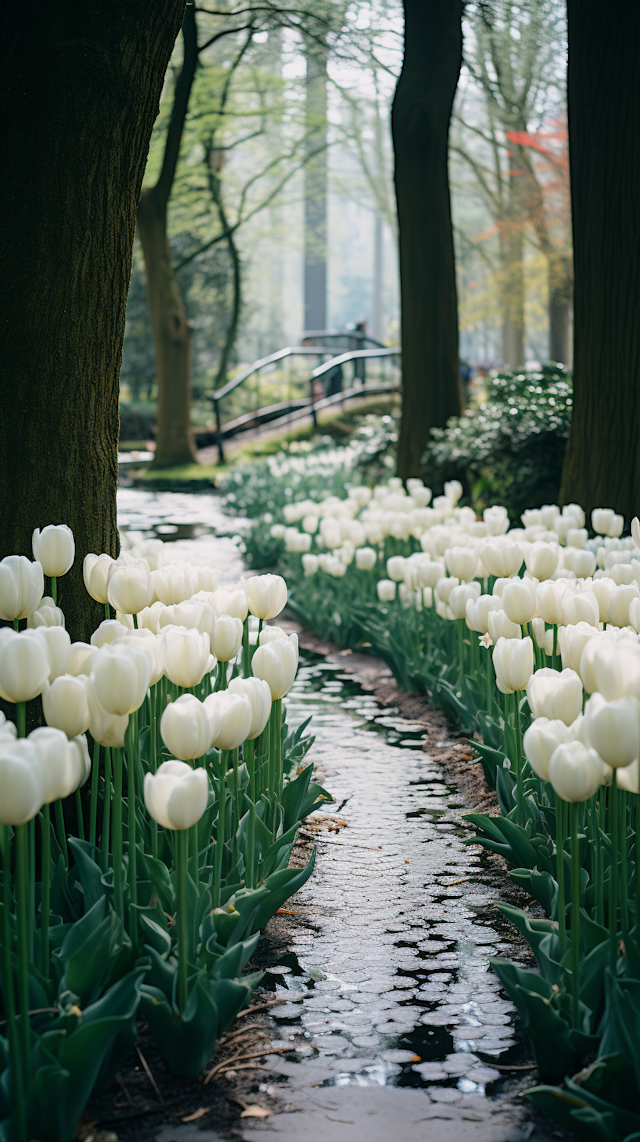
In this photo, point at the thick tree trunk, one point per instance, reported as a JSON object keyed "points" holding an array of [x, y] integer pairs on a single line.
{"points": [[315, 191], [512, 272], [560, 294], [80, 93], [602, 461], [420, 125], [171, 335]]}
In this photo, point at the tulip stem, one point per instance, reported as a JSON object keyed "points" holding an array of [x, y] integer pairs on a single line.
{"points": [[54, 589], [116, 845], [562, 920], [79, 815], [249, 755], [22, 921], [8, 989], [106, 806], [45, 888], [132, 750], [624, 864], [518, 729], [246, 650], [21, 719], [221, 676], [554, 651], [181, 861], [575, 911], [31, 835], [107, 612], [277, 705], [613, 892], [62, 832], [95, 778], [217, 856], [251, 848]]}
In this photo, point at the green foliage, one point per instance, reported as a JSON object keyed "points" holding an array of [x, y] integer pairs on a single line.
{"points": [[509, 448]]}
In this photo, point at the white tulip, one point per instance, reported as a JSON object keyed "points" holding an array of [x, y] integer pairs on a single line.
{"points": [[575, 771], [395, 568], [130, 587], [478, 610], [95, 571], [276, 663], [191, 614], [501, 557], [634, 614], [445, 586], [635, 531], [20, 783], [616, 668], [553, 695], [542, 738], [120, 677], [461, 596], [310, 564], [174, 583], [186, 655], [602, 589], [152, 645], [462, 562], [108, 729], [176, 795], [614, 729], [108, 632], [227, 638], [259, 696], [54, 547], [24, 665], [46, 614], [149, 618], [496, 520], [65, 705], [365, 558], [230, 717], [519, 601], [543, 637], [541, 559], [386, 589], [21, 587], [619, 604], [234, 602], [57, 644], [629, 778], [513, 663], [499, 626], [581, 607], [185, 728]]}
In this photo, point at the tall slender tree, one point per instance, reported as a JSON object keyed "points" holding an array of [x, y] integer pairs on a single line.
{"points": [[80, 93], [420, 120], [602, 461]]}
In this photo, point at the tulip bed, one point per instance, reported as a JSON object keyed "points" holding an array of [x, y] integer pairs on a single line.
{"points": [[528, 638], [152, 905]]}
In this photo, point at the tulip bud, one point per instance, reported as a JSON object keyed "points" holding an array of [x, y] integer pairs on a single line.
{"points": [[231, 716], [227, 638], [310, 564], [478, 610], [386, 589], [616, 668], [444, 587], [24, 665], [513, 663], [54, 548], [266, 595], [496, 521], [58, 648], [499, 626], [541, 559], [629, 778], [602, 589], [120, 677], [259, 696], [21, 587], [519, 601], [541, 740], [462, 562], [186, 655], [46, 614], [635, 531], [198, 615], [176, 795], [553, 695], [276, 663], [65, 705], [395, 568], [575, 771], [149, 618], [634, 614], [58, 765], [581, 607], [95, 571], [604, 521], [577, 537], [614, 729], [20, 782], [130, 587], [185, 728], [582, 563]]}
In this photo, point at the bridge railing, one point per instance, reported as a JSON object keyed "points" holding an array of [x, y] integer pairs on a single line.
{"points": [[305, 393]]}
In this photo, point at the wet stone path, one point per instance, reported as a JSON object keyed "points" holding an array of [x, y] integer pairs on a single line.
{"points": [[392, 1014]]}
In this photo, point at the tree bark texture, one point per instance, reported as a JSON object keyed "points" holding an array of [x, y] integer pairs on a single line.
{"points": [[560, 278], [602, 461], [80, 92], [315, 190], [171, 335], [420, 125]]}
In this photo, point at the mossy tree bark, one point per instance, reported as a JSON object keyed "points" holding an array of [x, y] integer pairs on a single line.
{"points": [[80, 93], [602, 461], [420, 125]]}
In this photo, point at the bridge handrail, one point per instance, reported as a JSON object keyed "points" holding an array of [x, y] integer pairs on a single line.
{"points": [[332, 334], [271, 359], [353, 355]]}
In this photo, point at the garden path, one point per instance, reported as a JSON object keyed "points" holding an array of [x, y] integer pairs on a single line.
{"points": [[395, 1022]]}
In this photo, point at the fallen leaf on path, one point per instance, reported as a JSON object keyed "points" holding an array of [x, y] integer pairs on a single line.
{"points": [[255, 1112], [199, 1113]]}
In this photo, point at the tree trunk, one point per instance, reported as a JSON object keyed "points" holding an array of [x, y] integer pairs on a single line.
{"points": [[602, 461], [81, 90], [377, 327], [171, 335], [512, 272], [420, 125], [315, 191], [560, 294]]}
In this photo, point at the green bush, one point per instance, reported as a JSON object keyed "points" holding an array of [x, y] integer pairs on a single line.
{"points": [[507, 449]]}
